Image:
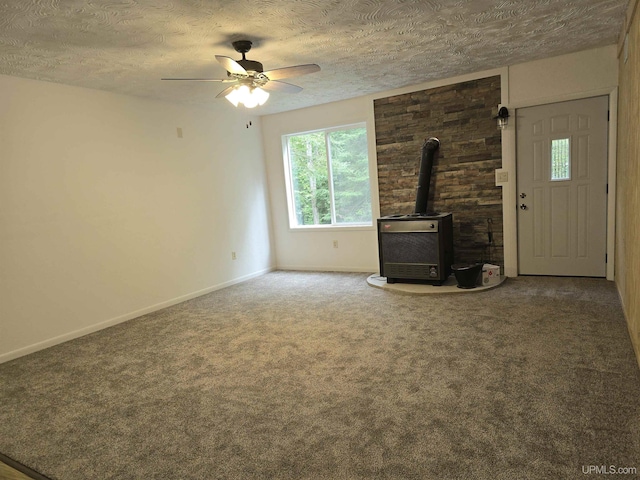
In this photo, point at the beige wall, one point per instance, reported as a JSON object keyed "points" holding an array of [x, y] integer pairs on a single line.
{"points": [[105, 214], [309, 248], [628, 185], [566, 77]]}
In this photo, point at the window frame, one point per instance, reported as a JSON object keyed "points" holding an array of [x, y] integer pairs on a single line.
{"points": [[290, 191]]}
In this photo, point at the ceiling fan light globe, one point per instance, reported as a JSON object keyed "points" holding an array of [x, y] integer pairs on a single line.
{"points": [[238, 95], [260, 95], [250, 102], [249, 97], [234, 97]]}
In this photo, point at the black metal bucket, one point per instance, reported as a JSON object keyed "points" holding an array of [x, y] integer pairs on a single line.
{"points": [[467, 274]]}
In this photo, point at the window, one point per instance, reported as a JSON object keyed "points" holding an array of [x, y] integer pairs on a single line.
{"points": [[560, 159], [328, 177]]}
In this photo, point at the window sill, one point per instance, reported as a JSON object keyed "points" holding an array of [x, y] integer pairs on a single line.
{"points": [[324, 228]]}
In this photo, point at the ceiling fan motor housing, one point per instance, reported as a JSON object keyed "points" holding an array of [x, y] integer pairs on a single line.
{"points": [[243, 46], [251, 65]]}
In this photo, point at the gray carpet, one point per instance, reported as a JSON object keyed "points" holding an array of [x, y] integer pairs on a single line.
{"points": [[319, 376]]}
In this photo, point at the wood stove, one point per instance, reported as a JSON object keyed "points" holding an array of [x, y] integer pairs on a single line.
{"points": [[418, 247]]}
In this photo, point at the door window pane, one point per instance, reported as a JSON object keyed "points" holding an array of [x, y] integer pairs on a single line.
{"points": [[560, 159]]}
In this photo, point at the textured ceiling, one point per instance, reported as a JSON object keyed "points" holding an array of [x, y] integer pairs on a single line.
{"points": [[362, 46]]}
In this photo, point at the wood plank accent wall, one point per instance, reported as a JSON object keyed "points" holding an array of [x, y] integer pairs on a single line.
{"points": [[463, 179], [627, 272]]}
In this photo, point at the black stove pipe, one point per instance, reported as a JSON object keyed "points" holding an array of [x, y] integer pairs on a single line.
{"points": [[429, 153]]}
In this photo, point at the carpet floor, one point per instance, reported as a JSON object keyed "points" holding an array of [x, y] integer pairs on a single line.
{"points": [[305, 375]]}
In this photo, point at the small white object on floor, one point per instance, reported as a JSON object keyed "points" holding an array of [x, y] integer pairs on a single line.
{"points": [[490, 274]]}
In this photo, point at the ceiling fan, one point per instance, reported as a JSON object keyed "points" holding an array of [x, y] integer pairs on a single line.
{"points": [[250, 79]]}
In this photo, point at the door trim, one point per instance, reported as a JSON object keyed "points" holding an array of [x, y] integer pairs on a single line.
{"points": [[509, 193]]}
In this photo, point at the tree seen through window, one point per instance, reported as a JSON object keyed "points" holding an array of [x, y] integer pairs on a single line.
{"points": [[329, 173]]}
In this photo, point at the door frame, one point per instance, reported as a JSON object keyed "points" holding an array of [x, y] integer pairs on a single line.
{"points": [[509, 167]]}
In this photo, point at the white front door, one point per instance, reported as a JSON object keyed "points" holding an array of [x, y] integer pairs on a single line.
{"points": [[562, 188]]}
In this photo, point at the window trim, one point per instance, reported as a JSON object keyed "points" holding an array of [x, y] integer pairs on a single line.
{"points": [[291, 211]]}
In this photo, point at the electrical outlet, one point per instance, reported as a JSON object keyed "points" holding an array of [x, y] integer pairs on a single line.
{"points": [[233, 255], [179, 132], [335, 244]]}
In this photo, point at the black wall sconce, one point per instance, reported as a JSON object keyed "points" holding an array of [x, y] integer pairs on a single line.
{"points": [[503, 117]]}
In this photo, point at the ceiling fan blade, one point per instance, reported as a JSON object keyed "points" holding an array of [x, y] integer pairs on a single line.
{"points": [[276, 86], [225, 92], [225, 80], [231, 66], [288, 72]]}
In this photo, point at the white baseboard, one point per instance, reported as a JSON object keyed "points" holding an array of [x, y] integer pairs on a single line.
{"points": [[510, 272], [5, 357], [325, 268]]}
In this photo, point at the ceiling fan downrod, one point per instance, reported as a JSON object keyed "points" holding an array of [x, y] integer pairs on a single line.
{"points": [[243, 46]]}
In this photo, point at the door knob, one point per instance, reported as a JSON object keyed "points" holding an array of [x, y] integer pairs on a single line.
{"points": [[523, 206], [523, 195]]}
